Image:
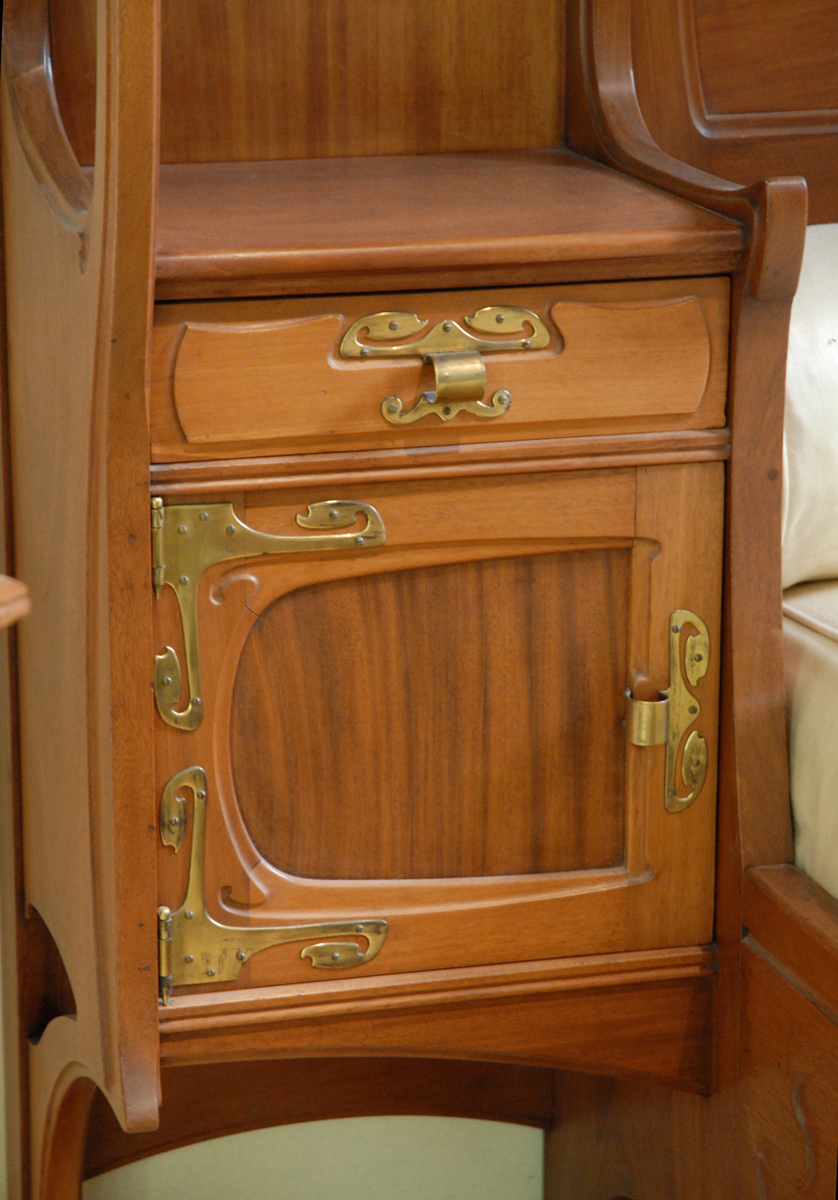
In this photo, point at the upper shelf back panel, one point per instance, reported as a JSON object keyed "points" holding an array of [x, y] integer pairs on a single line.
{"points": [[265, 79]]}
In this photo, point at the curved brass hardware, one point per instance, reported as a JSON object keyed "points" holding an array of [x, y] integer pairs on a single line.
{"points": [[196, 949], [454, 352], [666, 721], [684, 708], [187, 539]]}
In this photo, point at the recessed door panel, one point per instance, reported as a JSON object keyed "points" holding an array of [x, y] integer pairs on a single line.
{"points": [[458, 720]]}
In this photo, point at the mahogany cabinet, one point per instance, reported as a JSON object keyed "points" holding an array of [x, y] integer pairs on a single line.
{"points": [[376, 439]]}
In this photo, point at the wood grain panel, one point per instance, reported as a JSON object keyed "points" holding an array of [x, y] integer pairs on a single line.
{"points": [[382, 77], [451, 721], [73, 53], [767, 56]]}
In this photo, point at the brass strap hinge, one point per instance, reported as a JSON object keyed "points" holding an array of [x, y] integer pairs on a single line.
{"points": [[196, 949], [187, 539], [454, 353], [668, 720]]}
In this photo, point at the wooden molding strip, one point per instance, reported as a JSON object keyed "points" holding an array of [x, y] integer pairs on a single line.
{"points": [[796, 922], [554, 454]]}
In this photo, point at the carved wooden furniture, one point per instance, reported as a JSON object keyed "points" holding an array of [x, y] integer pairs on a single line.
{"points": [[384, 468]]}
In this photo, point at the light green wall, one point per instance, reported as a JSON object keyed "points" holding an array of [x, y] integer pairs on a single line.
{"points": [[372, 1158]]}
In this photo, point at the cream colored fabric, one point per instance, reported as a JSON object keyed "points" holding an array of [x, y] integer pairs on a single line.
{"points": [[811, 655], [810, 493]]}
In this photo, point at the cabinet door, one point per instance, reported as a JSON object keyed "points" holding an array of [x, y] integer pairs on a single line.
{"points": [[431, 731]]}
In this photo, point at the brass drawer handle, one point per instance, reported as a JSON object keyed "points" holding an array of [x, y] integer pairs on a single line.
{"points": [[189, 538], [455, 353], [196, 949]]}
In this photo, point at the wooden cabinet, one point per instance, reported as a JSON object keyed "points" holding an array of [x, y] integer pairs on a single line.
{"points": [[381, 434]]}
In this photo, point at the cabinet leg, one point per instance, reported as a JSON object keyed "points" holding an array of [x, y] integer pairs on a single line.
{"points": [[61, 1094]]}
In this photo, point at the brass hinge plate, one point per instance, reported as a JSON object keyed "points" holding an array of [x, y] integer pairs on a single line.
{"points": [[196, 949], [187, 539]]}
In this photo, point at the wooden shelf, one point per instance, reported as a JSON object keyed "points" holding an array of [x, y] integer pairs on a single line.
{"points": [[234, 229]]}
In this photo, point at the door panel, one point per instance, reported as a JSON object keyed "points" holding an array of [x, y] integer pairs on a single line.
{"points": [[430, 732]]}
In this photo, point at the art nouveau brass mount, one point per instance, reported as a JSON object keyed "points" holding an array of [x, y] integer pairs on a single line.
{"points": [[196, 949], [454, 352], [189, 538], [666, 721]]}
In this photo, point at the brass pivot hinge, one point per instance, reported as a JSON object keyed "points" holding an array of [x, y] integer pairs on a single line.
{"points": [[454, 353], [666, 721], [187, 539], [196, 949]]}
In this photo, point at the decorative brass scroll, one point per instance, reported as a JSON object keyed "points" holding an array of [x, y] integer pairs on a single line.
{"points": [[196, 949], [667, 720], [189, 538], [454, 352]]}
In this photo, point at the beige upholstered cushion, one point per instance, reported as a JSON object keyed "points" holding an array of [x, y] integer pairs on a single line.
{"points": [[810, 497]]}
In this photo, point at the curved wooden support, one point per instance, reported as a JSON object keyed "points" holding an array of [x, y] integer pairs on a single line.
{"points": [[61, 1094], [606, 121], [26, 55]]}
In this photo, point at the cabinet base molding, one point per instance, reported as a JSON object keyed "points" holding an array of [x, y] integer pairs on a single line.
{"points": [[646, 1013]]}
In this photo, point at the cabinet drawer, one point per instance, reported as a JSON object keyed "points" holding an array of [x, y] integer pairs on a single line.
{"points": [[370, 372]]}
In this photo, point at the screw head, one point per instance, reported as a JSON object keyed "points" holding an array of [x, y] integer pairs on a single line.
{"points": [[210, 971], [190, 958], [394, 325], [174, 821], [676, 628], [447, 410], [365, 353], [500, 318], [446, 326], [184, 579], [526, 343], [359, 541], [693, 709], [182, 529], [695, 762], [240, 955], [231, 529], [201, 795], [333, 514], [189, 914], [392, 407], [698, 658], [335, 956], [204, 516], [167, 680], [359, 929]]}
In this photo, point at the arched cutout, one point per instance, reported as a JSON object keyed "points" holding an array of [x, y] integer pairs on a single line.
{"points": [[28, 65], [46, 991], [216, 1099]]}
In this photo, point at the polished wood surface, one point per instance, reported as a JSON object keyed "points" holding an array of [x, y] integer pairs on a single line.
{"points": [[222, 230], [498, 706], [387, 77], [439, 462], [789, 1085], [645, 1014], [622, 356], [14, 600], [218, 1099], [748, 91]]}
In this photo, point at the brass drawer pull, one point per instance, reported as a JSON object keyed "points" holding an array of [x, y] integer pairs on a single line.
{"points": [[454, 352], [666, 721], [196, 949], [189, 538]]}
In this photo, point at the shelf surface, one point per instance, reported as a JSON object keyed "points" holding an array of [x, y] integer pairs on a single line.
{"points": [[244, 228]]}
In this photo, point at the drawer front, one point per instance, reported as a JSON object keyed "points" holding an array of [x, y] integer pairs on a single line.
{"points": [[375, 372]]}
